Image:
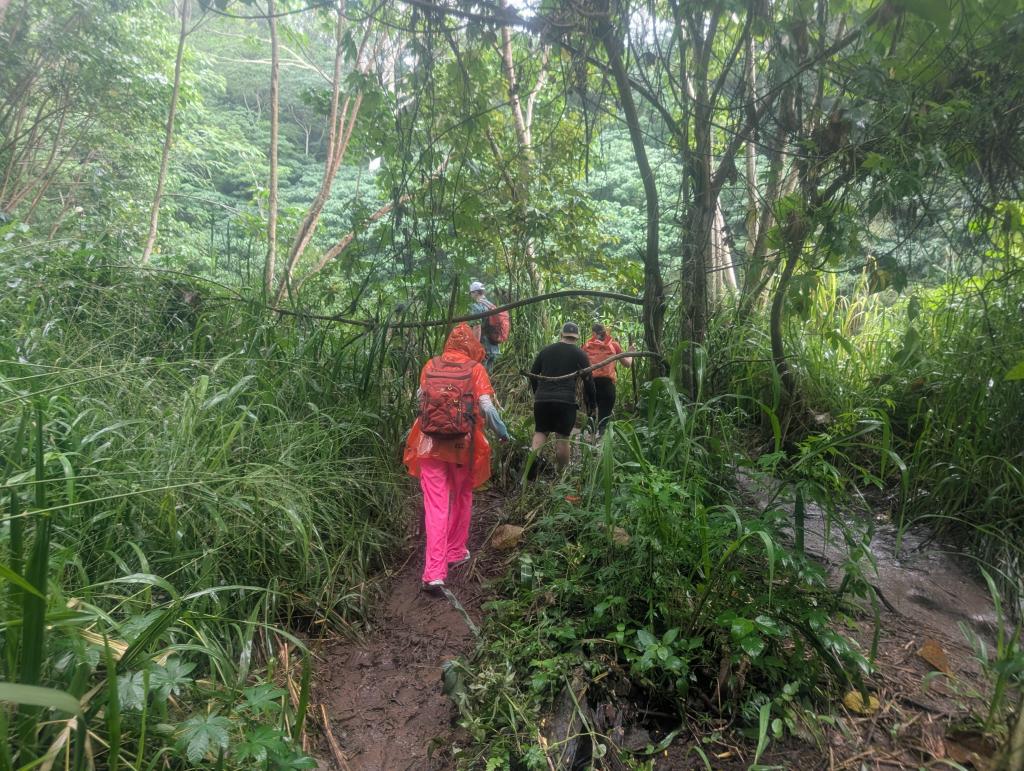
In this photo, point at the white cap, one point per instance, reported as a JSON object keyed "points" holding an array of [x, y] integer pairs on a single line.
{"points": [[476, 286]]}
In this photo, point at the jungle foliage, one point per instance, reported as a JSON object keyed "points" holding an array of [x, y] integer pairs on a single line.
{"points": [[818, 204]]}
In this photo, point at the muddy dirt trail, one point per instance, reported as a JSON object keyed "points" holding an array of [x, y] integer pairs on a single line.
{"points": [[383, 694], [386, 710]]}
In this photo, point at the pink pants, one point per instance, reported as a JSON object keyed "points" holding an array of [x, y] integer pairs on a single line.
{"points": [[447, 503]]}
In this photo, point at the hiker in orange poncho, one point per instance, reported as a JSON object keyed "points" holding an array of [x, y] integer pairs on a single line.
{"points": [[447, 450], [599, 347]]}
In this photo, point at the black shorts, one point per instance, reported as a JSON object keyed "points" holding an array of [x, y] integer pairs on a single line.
{"points": [[554, 417]]}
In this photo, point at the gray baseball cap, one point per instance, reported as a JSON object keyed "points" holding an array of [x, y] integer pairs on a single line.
{"points": [[569, 329]]}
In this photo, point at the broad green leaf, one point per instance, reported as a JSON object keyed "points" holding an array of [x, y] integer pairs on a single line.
{"points": [[263, 698], [762, 729], [752, 645], [741, 628], [130, 690], [1016, 372], [171, 677], [645, 638], [259, 744], [37, 696], [202, 733]]}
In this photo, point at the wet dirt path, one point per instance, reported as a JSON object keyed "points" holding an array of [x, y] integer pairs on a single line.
{"points": [[927, 677], [386, 710], [383, 694]]}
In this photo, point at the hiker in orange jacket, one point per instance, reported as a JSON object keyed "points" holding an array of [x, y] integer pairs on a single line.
{"points": [[449, 466], [599, 347]]}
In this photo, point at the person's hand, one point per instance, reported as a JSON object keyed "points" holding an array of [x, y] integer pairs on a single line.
{"points": [[504, 439]]}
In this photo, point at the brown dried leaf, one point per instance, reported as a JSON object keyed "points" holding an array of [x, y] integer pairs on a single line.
{"points": [[958, 753], [933, 653], [506, 537], [854, 702]]}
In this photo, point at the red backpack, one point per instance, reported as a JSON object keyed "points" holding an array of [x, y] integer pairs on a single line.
{"points": [[446, 399], [498, 326]]}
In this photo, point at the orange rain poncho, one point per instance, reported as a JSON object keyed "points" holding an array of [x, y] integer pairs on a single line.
{"points": [[461, 346], [598, 350]]}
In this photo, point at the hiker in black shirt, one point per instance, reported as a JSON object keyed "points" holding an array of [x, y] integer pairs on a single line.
{"points": [[554, 401]]}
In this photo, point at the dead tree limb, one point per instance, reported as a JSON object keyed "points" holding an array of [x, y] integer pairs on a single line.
{"points": [[369, 323], [592, 367]]}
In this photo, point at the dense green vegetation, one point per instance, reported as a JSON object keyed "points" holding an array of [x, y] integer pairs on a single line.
{"points": [[818, 204]]}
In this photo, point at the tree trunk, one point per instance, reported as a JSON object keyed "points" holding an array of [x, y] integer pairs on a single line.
{"points": [[724, 250], [723, 277], [275, 123], [754, 273], [343, 244], [775, 325], [154, 214], [342, 124], [654, 289], [523, 122], [750, 153]]}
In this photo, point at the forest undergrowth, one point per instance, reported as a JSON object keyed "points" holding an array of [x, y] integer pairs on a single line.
{"points": [[652, 592], [187, 488], [192, 488]]}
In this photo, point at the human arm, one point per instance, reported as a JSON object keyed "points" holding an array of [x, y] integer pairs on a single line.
{"points": [[492, 418], [589, 389], [477, 326], [535, 370], [627, 362]]}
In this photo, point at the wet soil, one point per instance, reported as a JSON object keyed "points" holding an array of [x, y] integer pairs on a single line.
{"points": [[385, 708], [383, 693]]}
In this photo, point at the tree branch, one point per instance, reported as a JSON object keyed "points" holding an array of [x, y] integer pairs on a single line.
{"points": [[370, 324], [592, 367]]}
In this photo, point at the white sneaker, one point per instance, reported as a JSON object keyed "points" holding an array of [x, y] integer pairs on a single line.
{"points": [[435, 587], [462, 561]]}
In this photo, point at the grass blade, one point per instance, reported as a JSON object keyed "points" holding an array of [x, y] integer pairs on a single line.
{"points": [[113, 710], [34, 605], [39, 697]]}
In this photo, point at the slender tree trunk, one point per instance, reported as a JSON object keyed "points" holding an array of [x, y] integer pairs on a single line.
{"points": [[346, 240], [275, 123], [154, 214], [654, 289], [728, 263], [342, 123], [775, 323], [723, 272], [750, 153], [523, 122]]}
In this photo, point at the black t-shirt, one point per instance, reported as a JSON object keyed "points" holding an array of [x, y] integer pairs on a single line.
{"points": [[560, 359]]}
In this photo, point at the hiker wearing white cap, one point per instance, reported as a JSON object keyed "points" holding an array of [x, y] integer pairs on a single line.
{"points": [[493, 330], [554, 401]]}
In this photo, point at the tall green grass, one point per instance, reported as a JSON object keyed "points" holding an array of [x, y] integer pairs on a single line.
{"points": [[183, 484]]}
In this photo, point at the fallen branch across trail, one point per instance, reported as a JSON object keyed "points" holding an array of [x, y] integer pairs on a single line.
{"points": [[369, 323], [592, 367]]}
